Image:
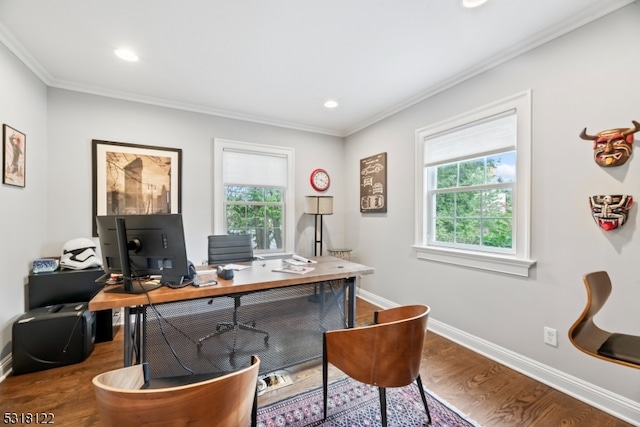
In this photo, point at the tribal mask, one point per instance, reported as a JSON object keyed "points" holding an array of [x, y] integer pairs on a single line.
{"points": [[610, 212], [612, 147]]}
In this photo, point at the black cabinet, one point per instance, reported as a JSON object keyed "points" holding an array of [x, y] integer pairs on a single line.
{"points": [[68, 286]]}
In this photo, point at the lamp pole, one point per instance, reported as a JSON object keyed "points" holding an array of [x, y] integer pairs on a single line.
{"points": [[318, 234], [318, 206]]}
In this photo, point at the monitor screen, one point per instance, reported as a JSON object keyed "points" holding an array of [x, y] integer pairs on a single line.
{"points": [[138, 246]]}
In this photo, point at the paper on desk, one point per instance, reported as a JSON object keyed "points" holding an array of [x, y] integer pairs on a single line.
{"points": [[303, 259], [289, 268], [236, 267], [292, 261]]}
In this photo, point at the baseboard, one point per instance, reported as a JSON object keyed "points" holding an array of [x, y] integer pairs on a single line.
{"points": [[611, 403], [375, 299], [5, 367]]}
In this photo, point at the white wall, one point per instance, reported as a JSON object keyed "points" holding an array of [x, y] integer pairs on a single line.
{"points": [[56, 206], [75, 119], [590, 77], [23, 211]]}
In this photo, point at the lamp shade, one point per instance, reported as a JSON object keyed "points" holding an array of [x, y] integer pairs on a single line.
{"points": [[318, 205]]}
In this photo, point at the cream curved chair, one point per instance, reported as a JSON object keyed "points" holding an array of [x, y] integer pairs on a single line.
{"points": [[385, 354], [228, 400], [585, 335]]}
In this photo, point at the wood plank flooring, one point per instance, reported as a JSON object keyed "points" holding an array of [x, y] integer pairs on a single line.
{"points": [[492, 394]]}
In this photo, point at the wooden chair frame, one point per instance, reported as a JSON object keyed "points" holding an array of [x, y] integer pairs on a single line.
{"points": [[228, 400], [584, 334], [385, 354]]}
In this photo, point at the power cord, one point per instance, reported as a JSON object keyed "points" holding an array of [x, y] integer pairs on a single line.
{"points": [[162, 319]]}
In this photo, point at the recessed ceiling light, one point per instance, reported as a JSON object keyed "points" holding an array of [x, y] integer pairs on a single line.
{"points": [[126, 54], [473, 3], [331, 103]]}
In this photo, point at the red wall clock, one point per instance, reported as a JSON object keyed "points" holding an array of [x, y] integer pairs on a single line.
{"points": [[320, 180]]}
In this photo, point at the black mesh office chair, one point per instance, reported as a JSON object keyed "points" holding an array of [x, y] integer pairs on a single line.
{"points": [[224, 249]]}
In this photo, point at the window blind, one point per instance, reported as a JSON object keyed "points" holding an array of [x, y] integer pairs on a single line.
{"points": [[493, 134], [247, 168]]}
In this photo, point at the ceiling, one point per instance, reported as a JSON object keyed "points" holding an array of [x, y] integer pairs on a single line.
{"points": [[277, 61]]}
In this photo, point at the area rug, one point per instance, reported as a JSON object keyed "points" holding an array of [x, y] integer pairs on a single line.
{"points": [[354, 404]]}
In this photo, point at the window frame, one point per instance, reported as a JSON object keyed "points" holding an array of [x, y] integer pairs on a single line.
{"points": [[518, 263], [219, 214]]}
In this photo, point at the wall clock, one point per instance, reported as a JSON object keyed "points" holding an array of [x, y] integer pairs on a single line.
{"points": [[320, 180]]}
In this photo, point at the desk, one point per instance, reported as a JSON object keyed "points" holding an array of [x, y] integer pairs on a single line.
{"points": [[259, 277]]}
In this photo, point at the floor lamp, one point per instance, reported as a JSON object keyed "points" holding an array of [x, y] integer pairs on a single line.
{"points": [[317, 206]]}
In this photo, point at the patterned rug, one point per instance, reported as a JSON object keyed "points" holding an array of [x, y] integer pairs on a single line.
{"points": [[353, 404]]}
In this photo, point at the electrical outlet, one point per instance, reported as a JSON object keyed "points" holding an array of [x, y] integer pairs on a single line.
{"points": [[550, 336]]}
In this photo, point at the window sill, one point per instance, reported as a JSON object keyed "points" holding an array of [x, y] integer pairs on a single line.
{"points": [[480, 261]]}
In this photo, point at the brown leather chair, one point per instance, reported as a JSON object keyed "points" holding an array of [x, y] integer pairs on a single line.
{"points": [[386, 354], [228, 400], [588, 337]]}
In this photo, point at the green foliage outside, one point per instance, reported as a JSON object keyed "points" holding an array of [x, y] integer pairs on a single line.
{"points": [[475, 216], [257, 211]]}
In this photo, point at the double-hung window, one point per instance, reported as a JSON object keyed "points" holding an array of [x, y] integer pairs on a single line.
{"points": [[253, 194], [473, 188]]}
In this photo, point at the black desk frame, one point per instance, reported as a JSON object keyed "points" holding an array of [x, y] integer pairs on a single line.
{"points": [[135, 318]]}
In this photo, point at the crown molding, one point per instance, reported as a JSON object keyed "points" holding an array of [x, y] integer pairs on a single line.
{"points": [[587, 16], [554, 32]]}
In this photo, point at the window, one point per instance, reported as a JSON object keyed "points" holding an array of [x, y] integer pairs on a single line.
{"points": [[252, 194], [473, 192]]}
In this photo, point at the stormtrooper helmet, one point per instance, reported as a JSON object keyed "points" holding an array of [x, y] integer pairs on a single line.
{"points": [[79, 254]]}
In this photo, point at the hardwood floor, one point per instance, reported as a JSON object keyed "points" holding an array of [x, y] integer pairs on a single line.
{"points": [[492, 394]]}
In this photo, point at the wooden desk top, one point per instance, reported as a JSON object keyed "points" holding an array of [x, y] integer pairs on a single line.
{"points": [[256, 278]]}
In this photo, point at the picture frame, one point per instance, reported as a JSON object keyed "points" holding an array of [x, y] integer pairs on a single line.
{"points": [[133, 179], [14, 145], [373, 184]]}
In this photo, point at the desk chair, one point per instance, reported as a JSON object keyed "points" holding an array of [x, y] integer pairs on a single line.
{"points": [[228, 400], [587, 337], [224, 249], [386, 354]]}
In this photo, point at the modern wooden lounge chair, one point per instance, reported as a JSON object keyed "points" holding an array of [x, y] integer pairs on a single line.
{"points": [[588, 337], [228, 400], [385, 354]]}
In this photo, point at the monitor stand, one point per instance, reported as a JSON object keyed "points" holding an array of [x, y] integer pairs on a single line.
{"points": [[129, 285], [135, 288]]}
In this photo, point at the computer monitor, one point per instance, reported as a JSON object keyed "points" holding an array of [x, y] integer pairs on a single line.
{"points": [[138, 246]]}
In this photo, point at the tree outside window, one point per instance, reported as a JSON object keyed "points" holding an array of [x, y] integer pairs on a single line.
{"points": [[473, 202], [257, 211]]}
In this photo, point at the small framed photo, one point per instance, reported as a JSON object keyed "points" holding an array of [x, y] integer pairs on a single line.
{"points": [[14, 149], [130, 179]]}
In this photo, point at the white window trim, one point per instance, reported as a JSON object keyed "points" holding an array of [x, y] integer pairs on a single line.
{"points": [[518, 264], [219, 145]]}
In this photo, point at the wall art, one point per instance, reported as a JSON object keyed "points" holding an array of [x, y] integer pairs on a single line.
{"points": [[131, 179], [14, 149], [612, 147], [610, 211], [373, 184]]}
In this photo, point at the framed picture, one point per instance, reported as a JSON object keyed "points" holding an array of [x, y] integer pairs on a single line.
{"points": [[373, 184], [130, 179], [14, 148]]}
